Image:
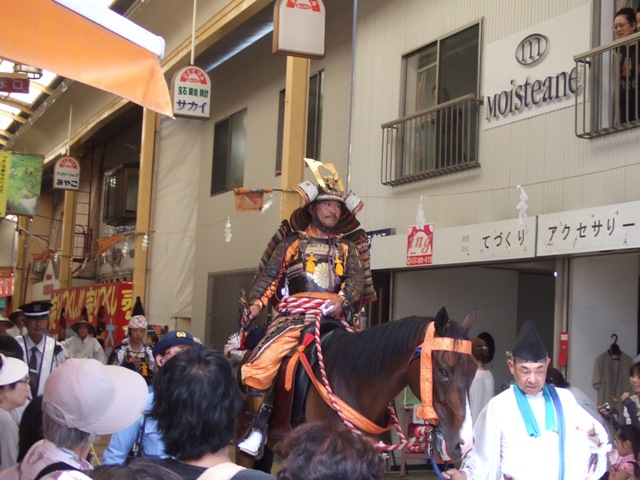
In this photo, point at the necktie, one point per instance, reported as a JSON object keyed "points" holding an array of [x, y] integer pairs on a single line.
{"points": [[33, 371]]}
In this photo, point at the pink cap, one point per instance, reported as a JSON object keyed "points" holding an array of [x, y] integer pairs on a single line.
{"points": [[92, 397]]}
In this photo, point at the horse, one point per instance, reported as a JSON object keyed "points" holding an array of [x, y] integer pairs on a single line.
{"points": [[367, 370]]}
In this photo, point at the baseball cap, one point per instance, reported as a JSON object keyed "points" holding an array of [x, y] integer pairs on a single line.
{"points": [[172, 338], [12, 370], [101, 399]]}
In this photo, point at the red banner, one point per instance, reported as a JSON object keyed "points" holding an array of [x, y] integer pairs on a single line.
{"points": [[6, 286], [108, 307], [14, 85], [420, 245]]}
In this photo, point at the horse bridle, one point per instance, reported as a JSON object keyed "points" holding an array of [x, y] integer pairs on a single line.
{"points": [[431, 344]]}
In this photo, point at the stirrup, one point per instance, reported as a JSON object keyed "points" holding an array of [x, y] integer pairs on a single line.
{"points": [[253, 444]]}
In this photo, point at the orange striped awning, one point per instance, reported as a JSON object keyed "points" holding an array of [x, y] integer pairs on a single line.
{"points": [[50, 36]]}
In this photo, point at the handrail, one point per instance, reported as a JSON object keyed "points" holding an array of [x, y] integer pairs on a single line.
{"points": [[435, 108], [606, 47], [434, 141]]}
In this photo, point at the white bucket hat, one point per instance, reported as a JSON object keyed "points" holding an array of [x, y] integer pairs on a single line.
{"points": [[94, 398], [12, 370]]}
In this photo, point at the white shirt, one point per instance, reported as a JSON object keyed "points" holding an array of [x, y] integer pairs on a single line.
{"points": [[503, 447], [74, 347], [482, 390]]}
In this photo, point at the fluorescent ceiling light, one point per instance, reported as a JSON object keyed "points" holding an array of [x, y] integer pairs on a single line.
{"points": [[102, 15]]}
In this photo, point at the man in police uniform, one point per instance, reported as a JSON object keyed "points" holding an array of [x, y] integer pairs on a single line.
{"points": [[42, 353]]}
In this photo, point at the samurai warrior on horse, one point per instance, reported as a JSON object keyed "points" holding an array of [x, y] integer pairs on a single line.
{"points": [[317, 262]]}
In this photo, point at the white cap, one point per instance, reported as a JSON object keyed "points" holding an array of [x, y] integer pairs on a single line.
{"points": [[92, 397], [12, 370]]}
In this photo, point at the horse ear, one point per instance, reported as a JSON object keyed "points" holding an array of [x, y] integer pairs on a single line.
{"points": [[469, 321], [442, 317]]}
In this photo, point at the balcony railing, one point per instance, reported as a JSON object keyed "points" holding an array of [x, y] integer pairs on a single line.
{"points": [[435, 141], [608, 100]]}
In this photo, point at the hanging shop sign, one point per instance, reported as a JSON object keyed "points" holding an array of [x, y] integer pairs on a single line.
{"points": [[14, 83], [191, 93], [299, 28], [66, 174], [420, 245]]}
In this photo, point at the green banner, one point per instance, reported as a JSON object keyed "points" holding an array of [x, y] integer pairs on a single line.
{"points": [[24, 180], [5, 159]]}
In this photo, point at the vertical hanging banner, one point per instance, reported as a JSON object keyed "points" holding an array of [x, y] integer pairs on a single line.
{"points": [[564, 349], [20, 186], [299, 28], [191, 93], [66, 174], [420, 245], [5, 158]]}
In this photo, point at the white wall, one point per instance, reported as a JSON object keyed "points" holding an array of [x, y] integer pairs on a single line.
{"points": [[560, 171], [603, 300]]}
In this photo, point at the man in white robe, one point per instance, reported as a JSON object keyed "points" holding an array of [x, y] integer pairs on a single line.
{"points": [[83, 345], [517, 435]]}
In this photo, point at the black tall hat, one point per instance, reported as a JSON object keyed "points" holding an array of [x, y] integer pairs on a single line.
{"points": [[529, 346], [137, 308]]}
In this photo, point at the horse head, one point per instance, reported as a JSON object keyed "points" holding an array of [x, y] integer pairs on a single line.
{"points": [[452, 374]]}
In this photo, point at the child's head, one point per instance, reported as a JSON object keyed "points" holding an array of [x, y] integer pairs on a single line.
{"points": [[634, 377], [627, 440]]}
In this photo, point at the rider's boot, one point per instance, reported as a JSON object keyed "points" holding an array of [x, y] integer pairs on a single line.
{"points": [[260, 406]]}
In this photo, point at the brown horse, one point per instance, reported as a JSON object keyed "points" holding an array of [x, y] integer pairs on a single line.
{"points": [[369, 369]]}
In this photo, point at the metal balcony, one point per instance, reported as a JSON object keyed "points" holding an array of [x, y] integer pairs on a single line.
{"points": [[435, 141], [607, 98]]}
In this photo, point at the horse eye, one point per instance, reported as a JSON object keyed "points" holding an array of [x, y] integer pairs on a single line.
{"points": [[444, 373]]}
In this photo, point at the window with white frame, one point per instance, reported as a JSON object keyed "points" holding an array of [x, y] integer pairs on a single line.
{"points": [[437, 132], [442, 71], [229, 144]]}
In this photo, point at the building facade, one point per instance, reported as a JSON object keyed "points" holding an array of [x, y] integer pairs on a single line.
{"points": [[445, 106]]}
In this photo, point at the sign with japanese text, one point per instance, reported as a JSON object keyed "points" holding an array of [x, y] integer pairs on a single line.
{"points": [[420, 245], [191, 93], [5, 158], [299, 28], [15, 83], [108, 307], [66, 174], [612, 227], [507, 239]]}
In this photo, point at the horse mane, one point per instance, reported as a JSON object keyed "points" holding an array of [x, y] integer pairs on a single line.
{"points": [[381, 348]]}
